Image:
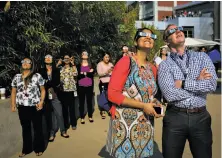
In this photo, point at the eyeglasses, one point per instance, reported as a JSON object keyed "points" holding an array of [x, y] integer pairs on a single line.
{"points": [[48, 56], [125, 47], [172, 31], [85, 53], [146, 34], [26, 62]]}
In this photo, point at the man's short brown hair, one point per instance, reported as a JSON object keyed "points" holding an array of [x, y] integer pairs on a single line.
{"points": [[165, 34]]}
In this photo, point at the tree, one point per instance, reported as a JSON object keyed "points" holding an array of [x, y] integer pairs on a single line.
{"points": [[23, 34], [37, 28]]}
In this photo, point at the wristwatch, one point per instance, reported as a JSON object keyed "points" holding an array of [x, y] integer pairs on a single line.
{"points": [[183, 84]]}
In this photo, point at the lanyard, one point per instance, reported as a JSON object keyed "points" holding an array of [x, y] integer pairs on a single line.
{"points": [[187, 62]]}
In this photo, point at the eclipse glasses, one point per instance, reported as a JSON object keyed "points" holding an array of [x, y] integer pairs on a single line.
{"points": [[48, 56], [26, 62], [172, 31], [146, 34]]}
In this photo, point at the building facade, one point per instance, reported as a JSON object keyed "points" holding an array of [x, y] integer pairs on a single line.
{"points": [[157, 10], [210, 9], [199, 19]]}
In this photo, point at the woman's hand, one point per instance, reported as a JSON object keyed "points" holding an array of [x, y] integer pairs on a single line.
{"points": [[148, 109], [39, 106], [72, 62], [59, 62], [13, 108]]}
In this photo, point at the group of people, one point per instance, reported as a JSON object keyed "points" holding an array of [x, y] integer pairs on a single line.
{"points": [[184, 78], [182, 14], [52, 91], [189, 13]]}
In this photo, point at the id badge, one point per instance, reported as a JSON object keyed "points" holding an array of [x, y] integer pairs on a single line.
{"points": [[50, 96], [75, 94]]}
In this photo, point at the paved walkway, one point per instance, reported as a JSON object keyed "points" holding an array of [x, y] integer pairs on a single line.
{"points": [[89, 139]]}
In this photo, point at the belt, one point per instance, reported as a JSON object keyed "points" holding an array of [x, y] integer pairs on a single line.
{"points": [[186, 110]]}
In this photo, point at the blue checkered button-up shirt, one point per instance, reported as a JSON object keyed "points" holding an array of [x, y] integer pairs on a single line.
{"points": [[187, 68]]}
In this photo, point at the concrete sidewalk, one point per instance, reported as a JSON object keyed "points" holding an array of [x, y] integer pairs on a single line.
{"points": [[89, 139]]}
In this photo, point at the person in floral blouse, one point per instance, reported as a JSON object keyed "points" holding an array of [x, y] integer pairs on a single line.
{"points": [[68, 84], [28, 95]]}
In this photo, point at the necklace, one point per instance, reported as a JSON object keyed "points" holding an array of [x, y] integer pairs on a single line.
{"points": [[146, 76]]}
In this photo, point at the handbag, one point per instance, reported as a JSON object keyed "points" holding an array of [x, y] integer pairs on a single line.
{"points": [[103, 101], [102, 98]]}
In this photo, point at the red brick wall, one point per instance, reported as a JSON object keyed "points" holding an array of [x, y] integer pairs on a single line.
{"points": [[183, 2], [164, 13], [165, 3]]}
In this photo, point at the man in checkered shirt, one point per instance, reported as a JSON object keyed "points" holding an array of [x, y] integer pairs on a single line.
{"points": [[185, 78]]}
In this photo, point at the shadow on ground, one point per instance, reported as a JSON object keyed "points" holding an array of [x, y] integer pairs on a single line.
{"points": [[157, 154]]}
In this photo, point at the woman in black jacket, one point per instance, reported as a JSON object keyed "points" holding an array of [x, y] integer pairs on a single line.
{"points": [[51, 75], [85, 87]]}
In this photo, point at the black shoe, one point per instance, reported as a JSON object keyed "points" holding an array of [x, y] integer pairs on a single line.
{"points": [[67, 136], [74, 127], [91, 120], [82, 121], [39, 154], [22, 155]]}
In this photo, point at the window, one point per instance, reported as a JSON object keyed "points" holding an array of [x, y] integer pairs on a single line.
{"points": [[188, 31], [147, 10]]}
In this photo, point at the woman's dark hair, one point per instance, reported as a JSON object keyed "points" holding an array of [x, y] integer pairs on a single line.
{"points": [[53, 64], [66, 54], [89, 61], [161, 52], [202, 48], [106, 53], [28, 78]]}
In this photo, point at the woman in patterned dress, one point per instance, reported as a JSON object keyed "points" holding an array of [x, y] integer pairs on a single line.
{"points": [[131, 89]]}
